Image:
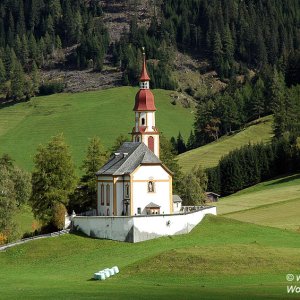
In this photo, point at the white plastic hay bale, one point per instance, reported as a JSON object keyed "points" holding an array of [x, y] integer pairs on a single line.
{"points": [[112, 272], [102, 276], [102, 272], [116, 269], [97, 276], [107, 273]]}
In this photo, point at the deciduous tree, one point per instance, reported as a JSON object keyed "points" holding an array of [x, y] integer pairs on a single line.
{"points": [[53, 178]]}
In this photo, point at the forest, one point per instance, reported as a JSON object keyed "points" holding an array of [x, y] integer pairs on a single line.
{"points": [[34, 34], [234, 35]]}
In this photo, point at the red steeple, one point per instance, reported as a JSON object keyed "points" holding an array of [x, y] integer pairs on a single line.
{"points": [[144, 74], [144, 99]]}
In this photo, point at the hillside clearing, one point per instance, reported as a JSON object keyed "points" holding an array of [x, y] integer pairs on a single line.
{"points": [[210, 154], [107, 114], [273, 203], [211, 262]]}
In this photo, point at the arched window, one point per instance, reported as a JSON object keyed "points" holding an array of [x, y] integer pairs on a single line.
{"points": [[143, 121], [102, 194], [127, 190], [108, 195], [151, 143], [151, 187]]}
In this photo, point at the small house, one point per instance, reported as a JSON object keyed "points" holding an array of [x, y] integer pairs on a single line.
{"points": [[212, 197], [177, 203]]}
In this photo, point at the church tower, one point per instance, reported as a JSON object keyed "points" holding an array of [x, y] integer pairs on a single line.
{"points": [[144, 109]]}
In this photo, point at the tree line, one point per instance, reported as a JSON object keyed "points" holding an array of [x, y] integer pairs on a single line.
{"points": [[252, 164]]}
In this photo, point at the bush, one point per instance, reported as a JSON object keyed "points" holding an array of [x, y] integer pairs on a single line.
{"points": [[51, 87]]}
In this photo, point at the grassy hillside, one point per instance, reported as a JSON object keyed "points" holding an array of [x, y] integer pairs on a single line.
{"points": [[274, 203], [209, 155], [220, 259], [105, 113]]}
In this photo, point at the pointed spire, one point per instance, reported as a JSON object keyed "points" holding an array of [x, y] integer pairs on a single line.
{"points": [[144, 74]]}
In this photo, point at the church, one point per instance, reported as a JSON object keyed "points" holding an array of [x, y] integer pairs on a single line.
{"points": [[134, 181], [135, 201]]}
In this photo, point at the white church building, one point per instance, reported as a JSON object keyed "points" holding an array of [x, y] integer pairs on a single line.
{"points": [[135, 201], [134, 181]]}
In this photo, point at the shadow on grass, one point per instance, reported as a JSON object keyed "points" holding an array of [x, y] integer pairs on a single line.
{"points": [[92, 279], [285, 180], [81, 234]]}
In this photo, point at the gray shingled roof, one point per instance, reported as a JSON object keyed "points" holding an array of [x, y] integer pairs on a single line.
{"points": [[152, 205], [212, 193], [128, 157], [176, 199]]}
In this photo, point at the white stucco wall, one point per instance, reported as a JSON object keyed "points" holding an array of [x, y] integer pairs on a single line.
{"points": [[161, 195], [140, 228], [176, 207], [156, 142], [120, 183], [149, 118], [102, 209], [112, 228], [150, 227]]}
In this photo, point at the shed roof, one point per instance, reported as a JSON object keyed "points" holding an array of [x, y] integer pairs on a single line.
{"points": [[212, 193], [176, 199], [152, 205]]}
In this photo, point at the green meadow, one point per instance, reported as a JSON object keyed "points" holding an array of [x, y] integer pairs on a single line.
{"points": [[220, 259], [210, 154], [273, 203], [106, 113]]}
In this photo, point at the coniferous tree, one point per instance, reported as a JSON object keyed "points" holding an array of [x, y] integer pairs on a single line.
{"points": [[213, 179], [278, 102], [168, 157], [174, 144], [181, 147], [258, 97], [2, 75], [17, 81], [24, 51], [35, 77], [32, 47], [218, 52], [230, 174], [191, 141]]}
